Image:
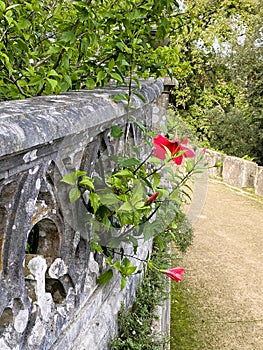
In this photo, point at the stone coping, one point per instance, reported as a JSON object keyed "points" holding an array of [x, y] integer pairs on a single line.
{"points": [[24, 124], [237, 172]]}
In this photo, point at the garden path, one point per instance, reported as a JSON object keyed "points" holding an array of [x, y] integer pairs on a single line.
{"points": [[224, 270]]}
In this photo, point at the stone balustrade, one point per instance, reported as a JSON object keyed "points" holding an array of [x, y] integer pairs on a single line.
{"points": [[237, 172], [49, 298]]}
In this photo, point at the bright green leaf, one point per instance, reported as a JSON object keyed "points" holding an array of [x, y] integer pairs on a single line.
{"points": [[126, 207], [105, 277], [69, 179], [79, 173], [53, 83], [2, 6], [111, 64], [117, 77], [94, 201], [123, 282], [124, 173], [90, 84], [53, 73], [74, 194], [87, 182], [121, 97], [101, 76], [108, 198]]}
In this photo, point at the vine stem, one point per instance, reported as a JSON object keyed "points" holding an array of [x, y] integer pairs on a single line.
{"points": [[128, 256], [141, 164], [145, 261]]}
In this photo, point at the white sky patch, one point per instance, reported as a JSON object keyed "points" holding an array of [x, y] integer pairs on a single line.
{"points": [[182, 6]]}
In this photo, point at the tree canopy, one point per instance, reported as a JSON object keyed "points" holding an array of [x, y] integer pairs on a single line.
{"points": [[51, 46], [215, 53], [220, 76]]}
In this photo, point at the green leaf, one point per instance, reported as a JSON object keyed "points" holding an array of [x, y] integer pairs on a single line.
{"points": [[94, 201], [72, 178], [117, 77], [53, 83], [108, 198], [138, 194], [126, 207], [22, 45], [160, 243], [12, 6], [155, 160], [124, 173], [123, 47], [67, 81], [129, 162], [121, 97], [123, 282], [141, 97], [69, 179], [124, 63], [95, 247], [74, 194], [105, 277], [140, 205], [101, 76], [53, 73], [87, 182], [90, 84], [111, 64], [2, 6], [129, 270], [150, 265], [79, 173], [116, 131], [68, 36], [139, 124], [156, 180], [170, 73], [117, 265], [152, 229], [134, 241]]}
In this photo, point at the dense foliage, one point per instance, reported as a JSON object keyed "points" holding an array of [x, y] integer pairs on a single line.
{"points": [[51, 46], [135, 326], [215, 53], [220, 76], [137, 199]]}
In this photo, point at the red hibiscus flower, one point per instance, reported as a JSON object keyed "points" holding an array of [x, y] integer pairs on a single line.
{"points": [[161, 144], [175, 274], [151, 199]]}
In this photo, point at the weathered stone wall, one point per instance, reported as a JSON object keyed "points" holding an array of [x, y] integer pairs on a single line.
{"points": [[49, 298], [236, 172]]}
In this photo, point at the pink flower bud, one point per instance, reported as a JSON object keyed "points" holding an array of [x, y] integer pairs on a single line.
{"points": [[151, 199], [175, 274]]}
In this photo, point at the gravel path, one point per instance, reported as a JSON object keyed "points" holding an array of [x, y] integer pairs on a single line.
{"points": [[224, 270]]}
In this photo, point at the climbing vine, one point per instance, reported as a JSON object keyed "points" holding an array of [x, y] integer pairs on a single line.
{"points": [[138, 201]]}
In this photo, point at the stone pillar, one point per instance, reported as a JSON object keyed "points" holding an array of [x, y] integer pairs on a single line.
{"points": [[162, 104]]}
